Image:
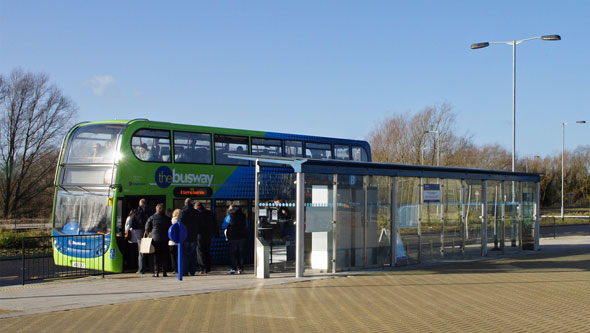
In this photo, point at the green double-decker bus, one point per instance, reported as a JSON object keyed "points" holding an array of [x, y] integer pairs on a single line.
{"points": [[106, 167]]}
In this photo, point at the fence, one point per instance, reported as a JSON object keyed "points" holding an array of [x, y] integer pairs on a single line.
{"points": [[46, 257], [26, 224], [561, 227]]}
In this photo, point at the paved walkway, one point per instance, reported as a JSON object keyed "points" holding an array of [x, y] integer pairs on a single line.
{"points": [[545, 291]]}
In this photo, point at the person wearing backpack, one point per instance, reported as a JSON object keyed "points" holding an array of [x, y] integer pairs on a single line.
{"points": [[235, 228]]}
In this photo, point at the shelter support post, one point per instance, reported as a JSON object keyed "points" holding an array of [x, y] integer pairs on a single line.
{"points": [[262, 251], [394, 222], [334, 222], [484, 219], [537, 214], [299, 230]]}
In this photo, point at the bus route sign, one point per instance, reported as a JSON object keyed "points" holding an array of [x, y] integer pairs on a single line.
{"points": [[431, 192], [177, 232]]}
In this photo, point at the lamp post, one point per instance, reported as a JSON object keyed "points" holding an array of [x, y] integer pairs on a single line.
{"points": [[526, 162], [514, 43], [563, 159]]}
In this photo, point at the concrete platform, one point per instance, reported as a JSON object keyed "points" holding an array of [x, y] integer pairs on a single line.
{"points": [[543, 291]]}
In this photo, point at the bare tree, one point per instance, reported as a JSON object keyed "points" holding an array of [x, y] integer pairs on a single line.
{"points": [[34, 115], [401, 137]]}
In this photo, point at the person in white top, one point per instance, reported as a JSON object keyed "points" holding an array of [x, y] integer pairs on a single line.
{"points": [[172, 246]]}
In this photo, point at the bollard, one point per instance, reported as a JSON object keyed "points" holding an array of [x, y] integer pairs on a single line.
{"points": [[177, 233]]}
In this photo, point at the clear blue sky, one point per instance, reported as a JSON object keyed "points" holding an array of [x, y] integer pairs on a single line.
{"points": [[330, 68]]}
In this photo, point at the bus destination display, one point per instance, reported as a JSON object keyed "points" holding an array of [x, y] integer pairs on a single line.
{"points": [[193, 192]]}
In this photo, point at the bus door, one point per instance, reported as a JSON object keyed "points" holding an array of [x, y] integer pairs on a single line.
{"points": [[127, 204], [219, 246]]}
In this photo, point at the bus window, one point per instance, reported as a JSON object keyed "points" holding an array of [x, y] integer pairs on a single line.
{"points": [[320, 151], [359, 154], [192, 147], [342, 152], [225, 144], [268, 147], [81, 213], [293, 149], [93, 144], [151, 145]]}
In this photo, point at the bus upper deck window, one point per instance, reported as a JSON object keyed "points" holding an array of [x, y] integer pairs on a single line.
{"points": [[342, 152], [318, 150], [93, 144], [192, 147], [359, 154], [151, 145], [229, 144], [293, 148]]}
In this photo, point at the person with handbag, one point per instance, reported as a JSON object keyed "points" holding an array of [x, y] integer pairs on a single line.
{"points": [[131, 255], [157, 226]]}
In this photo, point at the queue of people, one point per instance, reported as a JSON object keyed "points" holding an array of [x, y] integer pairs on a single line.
{"points": [[201, 229]]}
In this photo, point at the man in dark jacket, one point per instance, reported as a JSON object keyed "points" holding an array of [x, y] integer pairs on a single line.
{"points": [[235, 231], [188, 217], [207, 230], [138, 221], [158, 225]]}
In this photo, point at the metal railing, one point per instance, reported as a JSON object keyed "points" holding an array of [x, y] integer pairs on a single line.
{"points": [[50, 257], [563, 228]]}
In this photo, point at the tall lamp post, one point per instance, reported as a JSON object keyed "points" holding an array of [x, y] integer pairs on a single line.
{"points": [[563, 159], [526, 162], [514, 43]]}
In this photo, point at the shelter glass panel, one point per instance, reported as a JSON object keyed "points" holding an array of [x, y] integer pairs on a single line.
{"points": [[408, 207], [511, 214], [471, 201], [277, 214], [319, 206], [528, 216], [350, 222], [378, 221], [452, 226], [494, 213], [431, 214]]}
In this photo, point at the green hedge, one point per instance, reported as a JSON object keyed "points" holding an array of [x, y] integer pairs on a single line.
{"points": [[13, 240]]}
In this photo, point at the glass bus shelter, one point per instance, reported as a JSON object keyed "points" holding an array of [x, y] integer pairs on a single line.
{"points": [[330, 216]]}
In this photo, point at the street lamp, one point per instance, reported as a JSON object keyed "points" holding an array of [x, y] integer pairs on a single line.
{"points": [[514, 43], [562, 157], [526, 162]]}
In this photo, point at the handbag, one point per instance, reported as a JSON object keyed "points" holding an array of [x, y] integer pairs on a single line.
{"points": [[146, 246]]}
